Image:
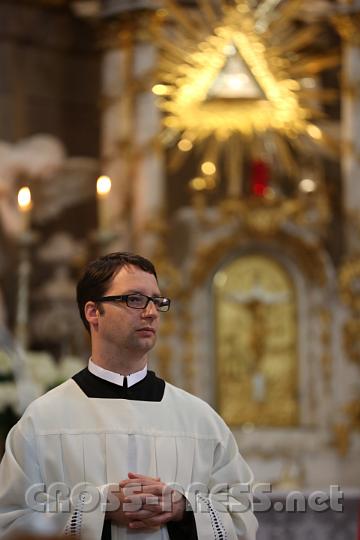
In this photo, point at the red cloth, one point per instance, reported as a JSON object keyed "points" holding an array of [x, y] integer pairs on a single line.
{"points": [[259, 179]]}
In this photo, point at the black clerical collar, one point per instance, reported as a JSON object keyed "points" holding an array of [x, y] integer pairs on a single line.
{"points": [[150, 388]]}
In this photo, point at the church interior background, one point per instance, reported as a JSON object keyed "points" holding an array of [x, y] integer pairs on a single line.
{"points": [[219, 138]]}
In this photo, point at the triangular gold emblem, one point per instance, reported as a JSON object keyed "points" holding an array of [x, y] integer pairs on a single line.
{"points": [[234, 80]]}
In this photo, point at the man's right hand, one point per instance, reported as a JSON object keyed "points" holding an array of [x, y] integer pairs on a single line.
{"points": [[126, 497]]}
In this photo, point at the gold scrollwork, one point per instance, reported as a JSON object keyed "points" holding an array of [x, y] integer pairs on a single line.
{"points": [[326, 358], [264, 218], [352, 409], [309, 257], [351, 339], [349, 280], [348, 27], [341, 438]]}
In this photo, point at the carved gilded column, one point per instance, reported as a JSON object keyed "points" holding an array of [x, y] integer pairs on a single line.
{"points": [[348, 26], [351, 127], [148, 182], [118, 129], [346, 426], [131, 153]]}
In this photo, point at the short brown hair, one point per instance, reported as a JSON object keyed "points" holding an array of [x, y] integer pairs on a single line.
{"points": [[99, 274]]}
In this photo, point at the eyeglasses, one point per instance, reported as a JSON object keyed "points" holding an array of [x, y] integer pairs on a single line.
{"points": [[139, 301]]}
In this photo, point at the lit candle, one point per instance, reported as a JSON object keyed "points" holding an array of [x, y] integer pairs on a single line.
{"points": [[25, 205], [24, 268], [103, 188]]}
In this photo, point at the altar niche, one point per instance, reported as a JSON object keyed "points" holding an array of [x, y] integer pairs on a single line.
{"points": [[256, 343]]}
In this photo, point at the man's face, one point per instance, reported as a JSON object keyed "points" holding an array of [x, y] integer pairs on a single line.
{"points": [[122, 328]]}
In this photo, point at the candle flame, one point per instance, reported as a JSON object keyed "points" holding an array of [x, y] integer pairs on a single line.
{"points": [[208, 167], [24, 198], [103, 185], [307, 185], [184, 145]]}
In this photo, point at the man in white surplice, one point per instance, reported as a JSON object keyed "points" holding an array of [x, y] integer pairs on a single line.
{"points": [[116, 452]]}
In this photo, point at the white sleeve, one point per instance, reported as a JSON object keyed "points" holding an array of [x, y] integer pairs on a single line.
{"points": [[224, 511], [19, 476], [25, 503]]}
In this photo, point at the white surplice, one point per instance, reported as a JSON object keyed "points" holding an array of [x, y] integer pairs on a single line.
{"points": [[68, 438]]}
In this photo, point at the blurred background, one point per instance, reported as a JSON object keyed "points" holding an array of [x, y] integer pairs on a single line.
{"points": [[219, 138]]}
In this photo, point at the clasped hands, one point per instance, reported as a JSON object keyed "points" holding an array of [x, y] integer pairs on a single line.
{"points": [[145, 503]]}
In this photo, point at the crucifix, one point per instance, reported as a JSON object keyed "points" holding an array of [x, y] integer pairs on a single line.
{"points": [[256, 301]]}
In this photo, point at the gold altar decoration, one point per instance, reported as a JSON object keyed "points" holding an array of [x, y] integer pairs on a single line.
{"points": [[341, 438], [348, 26], [256, 342], [188, 342], [267, 215], [325, 316], [343, 431], [309, 257], [243, 75], [351, 338], [265, 218], [170, 282], [352, 409], [349, 281], [349, 284]]}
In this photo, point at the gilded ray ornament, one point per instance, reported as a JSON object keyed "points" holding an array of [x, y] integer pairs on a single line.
{"points": [[189, 70], [237, 80]]}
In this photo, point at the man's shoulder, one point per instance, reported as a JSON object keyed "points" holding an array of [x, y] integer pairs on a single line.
{"points": [[53, 397], [179, 393], [192, 404], [42, 410]]}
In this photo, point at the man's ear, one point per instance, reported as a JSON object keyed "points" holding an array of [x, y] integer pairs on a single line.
{"points": [[92, 313]]}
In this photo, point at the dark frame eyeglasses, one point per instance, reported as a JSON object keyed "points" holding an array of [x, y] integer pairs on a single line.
{"points": [[139, 301]]}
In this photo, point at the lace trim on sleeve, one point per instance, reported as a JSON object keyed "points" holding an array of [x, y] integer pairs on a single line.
{"points": [[73, 527], [216, 523]]}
